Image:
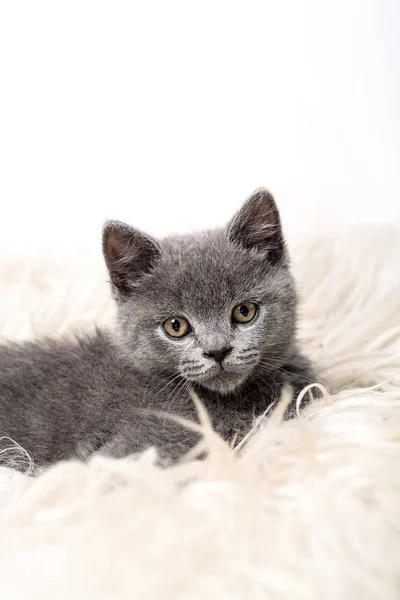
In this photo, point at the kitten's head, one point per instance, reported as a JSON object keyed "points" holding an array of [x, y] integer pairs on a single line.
{"points": [[209, 307]]}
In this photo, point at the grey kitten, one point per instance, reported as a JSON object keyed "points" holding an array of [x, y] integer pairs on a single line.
{"points": [[214, 312]]}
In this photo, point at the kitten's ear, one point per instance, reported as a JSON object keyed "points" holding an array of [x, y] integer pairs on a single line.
{"points": [[257, 226], [128, 253]]}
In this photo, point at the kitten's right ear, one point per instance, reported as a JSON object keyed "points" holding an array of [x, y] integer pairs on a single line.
{"points": [[128, 253], [257, 226]]}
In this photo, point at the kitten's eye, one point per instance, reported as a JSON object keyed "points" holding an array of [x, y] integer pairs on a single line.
{"points": [[177, 327], [244, 313]]}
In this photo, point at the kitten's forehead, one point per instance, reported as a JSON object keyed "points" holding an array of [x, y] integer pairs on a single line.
{"points": [[206, 271]]}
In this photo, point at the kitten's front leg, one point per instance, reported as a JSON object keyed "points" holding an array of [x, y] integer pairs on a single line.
{"points": [[170, 439], [298, 373]]}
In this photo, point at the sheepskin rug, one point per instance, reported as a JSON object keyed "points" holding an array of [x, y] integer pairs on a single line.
{"points": [[308, 508]]}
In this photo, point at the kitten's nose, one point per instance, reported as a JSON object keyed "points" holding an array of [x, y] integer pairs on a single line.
{"points": [[218, 355]]}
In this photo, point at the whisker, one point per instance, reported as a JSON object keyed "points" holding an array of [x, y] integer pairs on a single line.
{"points": [[274, 368], [278, 356], [197, 373], [166, 382], [191, 372], [189, 362], [246, 361], [315, 347], [162, 382], [180, 392], [269, 379], [183, 393], [174, 389], [247, 352], [146, 391]]}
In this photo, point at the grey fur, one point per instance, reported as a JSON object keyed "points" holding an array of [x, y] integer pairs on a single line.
{"points": [[108, 392]]}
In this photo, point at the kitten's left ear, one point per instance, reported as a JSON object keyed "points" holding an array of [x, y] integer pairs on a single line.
{"points": [[257, 226]]}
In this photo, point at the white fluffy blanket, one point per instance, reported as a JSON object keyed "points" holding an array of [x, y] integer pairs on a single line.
{"points": [[309, 508]]}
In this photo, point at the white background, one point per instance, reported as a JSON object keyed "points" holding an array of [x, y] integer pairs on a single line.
{"points": [[167, 114]]}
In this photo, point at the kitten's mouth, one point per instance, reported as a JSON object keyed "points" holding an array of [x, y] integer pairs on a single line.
{"points": [[220, 379]]}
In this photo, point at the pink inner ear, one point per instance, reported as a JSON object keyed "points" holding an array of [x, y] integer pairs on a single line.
{"points": [[267, 213], [114, 245]]}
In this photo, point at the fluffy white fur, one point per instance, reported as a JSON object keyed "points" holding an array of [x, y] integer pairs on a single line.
{"points": [[308, 508]]}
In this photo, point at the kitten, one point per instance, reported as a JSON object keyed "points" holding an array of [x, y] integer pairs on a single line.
{"points": [[214, 312]]}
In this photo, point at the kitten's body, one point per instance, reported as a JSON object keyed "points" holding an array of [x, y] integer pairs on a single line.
{"points": [[71, 398], [109, 391]]}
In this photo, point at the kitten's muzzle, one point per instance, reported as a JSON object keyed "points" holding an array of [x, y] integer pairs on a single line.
{"points": [[219, 354]]}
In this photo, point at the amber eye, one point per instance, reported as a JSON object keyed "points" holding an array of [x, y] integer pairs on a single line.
{"points": [[244, 313], [176, 327]]}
